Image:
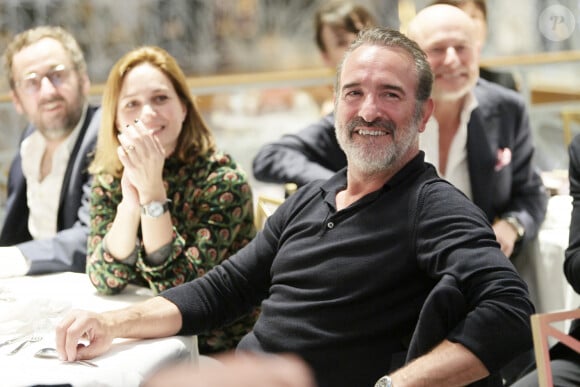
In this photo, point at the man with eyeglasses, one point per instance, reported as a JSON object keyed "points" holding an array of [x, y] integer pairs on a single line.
{"points": [[45, 225]]}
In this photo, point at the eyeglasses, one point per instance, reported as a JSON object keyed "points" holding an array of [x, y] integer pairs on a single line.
{"points": [[31, 83]]}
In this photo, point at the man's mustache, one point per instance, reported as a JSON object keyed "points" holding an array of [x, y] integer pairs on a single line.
{"points": [[359, 122]]}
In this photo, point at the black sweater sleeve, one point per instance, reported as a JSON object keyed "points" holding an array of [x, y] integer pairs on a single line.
{"points": [[311, 154]]}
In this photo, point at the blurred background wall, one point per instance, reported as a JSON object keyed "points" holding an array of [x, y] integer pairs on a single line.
{"points": [[207, 36], [226, 36], [251, 38]]}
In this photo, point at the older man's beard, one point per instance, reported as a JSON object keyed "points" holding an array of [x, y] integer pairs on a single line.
{"points": [[370, 159], [444, 95], [439, 94]]}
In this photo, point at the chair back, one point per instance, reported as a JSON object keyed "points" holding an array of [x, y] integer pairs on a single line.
{"points": [[542, 330], [265, 206]]}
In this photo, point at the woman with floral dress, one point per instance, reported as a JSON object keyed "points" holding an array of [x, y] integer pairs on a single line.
{"points": [[166, 207]]}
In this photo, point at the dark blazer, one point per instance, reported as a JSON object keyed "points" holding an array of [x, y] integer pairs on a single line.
{"points": [[310, 154], [572, 260], [67, 250], [570, 370], [504, 78], [500, 122]]}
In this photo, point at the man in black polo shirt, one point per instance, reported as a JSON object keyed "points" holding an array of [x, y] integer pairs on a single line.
{"points": [[343, 268]]}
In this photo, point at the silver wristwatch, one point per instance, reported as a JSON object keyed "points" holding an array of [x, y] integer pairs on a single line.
{"points": [[385, 381], [517, 226], [155, 209]]}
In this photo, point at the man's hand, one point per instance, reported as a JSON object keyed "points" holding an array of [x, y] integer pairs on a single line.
{"points": [[506, 235], [82, 335]]}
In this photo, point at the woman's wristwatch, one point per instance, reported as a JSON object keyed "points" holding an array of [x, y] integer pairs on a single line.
{"points": [[385, 381], [155, 209]]}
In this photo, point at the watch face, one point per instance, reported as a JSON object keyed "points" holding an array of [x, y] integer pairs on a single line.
{"points": [[385, 381], [155, 209]]}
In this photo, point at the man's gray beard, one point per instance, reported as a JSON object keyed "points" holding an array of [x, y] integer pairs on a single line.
{"points": [[454, 95], [382, 159], [370, 164]]}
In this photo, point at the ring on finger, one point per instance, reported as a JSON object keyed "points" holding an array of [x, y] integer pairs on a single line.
{"points": [[131, 147]]}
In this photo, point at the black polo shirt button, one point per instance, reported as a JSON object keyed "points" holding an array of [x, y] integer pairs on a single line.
{"points": [[330, 225]]}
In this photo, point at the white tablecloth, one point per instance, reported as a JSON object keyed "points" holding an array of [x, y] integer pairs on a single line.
{"points": [[543, 267], [34, 304]]}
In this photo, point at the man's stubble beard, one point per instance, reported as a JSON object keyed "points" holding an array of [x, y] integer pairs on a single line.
{"points": [[73, 113]]}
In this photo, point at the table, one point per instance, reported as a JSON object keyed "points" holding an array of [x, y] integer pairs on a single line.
{"points": [[543, 268], [34, 304]]}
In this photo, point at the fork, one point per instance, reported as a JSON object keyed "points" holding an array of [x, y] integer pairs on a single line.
{"points": [[10, 341], [32, 339]]}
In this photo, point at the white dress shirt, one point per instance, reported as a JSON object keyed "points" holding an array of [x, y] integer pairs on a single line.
{"points": [[457, 171], [43, 195]]}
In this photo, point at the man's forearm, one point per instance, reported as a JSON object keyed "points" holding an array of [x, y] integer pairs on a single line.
{"points": [[157, 317], [448, 365]]}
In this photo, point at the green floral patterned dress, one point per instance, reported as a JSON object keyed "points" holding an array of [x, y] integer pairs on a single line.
{"points": [[212, 212]]}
